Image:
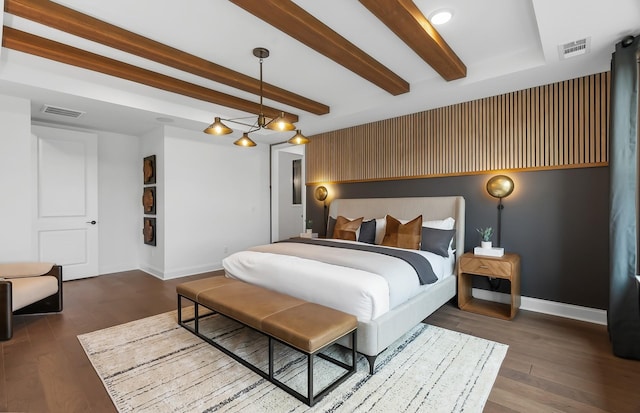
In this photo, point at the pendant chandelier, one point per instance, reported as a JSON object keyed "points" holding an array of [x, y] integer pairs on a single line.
{"points": [[279, 124]]}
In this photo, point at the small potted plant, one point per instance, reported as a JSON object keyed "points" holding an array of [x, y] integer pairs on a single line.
{"points": [[485, 236], [309, 226]]}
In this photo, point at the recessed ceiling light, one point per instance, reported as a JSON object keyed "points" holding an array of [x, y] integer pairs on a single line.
{"points": [[439, 17]]}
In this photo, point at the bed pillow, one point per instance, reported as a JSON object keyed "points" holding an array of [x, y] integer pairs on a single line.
{"points": [[402, 235], [331, 224], [381, 225], [368, 231], [346, 229], [447, 223], [437, 241]]}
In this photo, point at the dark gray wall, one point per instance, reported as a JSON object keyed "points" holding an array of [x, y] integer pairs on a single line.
{"points": [[558, 221]]}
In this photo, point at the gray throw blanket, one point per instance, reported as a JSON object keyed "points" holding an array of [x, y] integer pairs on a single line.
{"points": [[418, 262]]}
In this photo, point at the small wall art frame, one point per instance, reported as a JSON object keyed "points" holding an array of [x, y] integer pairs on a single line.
{"points": [[149, 231], [149, 169], [149, 200]]}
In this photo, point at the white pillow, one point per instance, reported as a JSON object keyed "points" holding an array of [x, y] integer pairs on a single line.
{"points": [[381, 226], [447, 223]]}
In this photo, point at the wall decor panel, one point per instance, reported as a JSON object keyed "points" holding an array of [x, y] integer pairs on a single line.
{"points": [[556, 126]]}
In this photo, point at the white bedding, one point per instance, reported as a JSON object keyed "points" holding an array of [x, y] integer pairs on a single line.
{"points": [[362, 283]]}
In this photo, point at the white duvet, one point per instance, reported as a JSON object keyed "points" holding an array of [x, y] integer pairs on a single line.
{"points": [[361, 283]]}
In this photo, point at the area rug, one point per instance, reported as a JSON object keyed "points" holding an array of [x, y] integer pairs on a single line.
{"points": [[154, 365]]}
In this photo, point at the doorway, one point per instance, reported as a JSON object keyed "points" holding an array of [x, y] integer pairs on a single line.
{"points": [[287, 205]]}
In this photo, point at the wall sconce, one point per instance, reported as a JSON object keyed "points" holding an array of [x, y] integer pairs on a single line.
{"points": [[321, 195], [500, 186]]}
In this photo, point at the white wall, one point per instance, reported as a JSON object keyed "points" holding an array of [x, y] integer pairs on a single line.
{"points": [[152, 258], [212, 197], [16, 180], [119, 201], [216, 200]]}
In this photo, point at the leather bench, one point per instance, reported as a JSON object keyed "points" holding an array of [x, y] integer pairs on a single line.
{"points": [[307, 327]]}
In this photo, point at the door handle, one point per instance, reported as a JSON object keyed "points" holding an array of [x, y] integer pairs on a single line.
{"points": [[92, 222]]}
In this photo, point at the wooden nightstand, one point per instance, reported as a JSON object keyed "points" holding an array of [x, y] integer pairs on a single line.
{"points": [[506, 267]]}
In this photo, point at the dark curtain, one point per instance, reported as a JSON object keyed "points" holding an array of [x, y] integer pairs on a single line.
{"points": [[624, 292]]}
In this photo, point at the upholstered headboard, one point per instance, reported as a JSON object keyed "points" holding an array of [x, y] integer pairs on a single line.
{"points": [[431, 208]]}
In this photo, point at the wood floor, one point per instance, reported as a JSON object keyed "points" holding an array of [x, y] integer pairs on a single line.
{"points": [[553, 364]]}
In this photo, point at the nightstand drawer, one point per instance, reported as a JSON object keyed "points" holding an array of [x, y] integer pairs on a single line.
{"points": [[476, 265]]}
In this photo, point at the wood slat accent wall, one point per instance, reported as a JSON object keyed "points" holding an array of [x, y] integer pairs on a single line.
{"points": [[561, 125]]}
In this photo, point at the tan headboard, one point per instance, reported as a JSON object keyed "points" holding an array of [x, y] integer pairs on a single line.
{"points": [[431, 208]]}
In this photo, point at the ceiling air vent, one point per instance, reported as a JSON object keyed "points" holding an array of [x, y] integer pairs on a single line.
{"points": [[575, 48], [56, 110]]}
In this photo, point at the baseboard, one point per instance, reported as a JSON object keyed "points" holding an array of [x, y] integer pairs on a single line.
{"points": [[115, 269], [153, 271], [186, 271], [576, 312]]}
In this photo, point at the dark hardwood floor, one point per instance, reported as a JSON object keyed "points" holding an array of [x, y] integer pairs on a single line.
{"points": [[553, 364]]}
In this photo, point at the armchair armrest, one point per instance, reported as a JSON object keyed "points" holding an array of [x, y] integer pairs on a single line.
{"points": [[50, 304]]}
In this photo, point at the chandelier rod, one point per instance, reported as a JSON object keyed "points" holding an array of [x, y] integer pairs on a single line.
{"points": [[261, 53], [261, 112]]}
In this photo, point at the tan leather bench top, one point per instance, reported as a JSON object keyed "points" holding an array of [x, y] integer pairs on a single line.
{"points": [[191, 289], [306, 326], [309, 326], [247, 303]]}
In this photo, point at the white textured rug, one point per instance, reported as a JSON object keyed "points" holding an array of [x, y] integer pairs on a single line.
{"points": [[154, 365]]}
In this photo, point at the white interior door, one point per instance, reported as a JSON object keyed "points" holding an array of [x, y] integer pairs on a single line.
{"points": [[67, 200]]}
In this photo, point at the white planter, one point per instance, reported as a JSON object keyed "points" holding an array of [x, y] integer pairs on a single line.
{"points": [[309, 230], [486, 244]]}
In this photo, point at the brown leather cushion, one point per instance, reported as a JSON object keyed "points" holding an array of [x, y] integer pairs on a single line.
{"points": [[346, 229], [191, 289], [309, 326], [247, 303], [403, 235]]}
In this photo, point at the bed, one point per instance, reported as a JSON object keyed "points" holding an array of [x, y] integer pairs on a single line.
{"points": [[299, 269]]}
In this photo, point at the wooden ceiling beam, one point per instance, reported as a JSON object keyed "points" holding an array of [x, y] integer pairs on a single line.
{"points": [[68, 20], [291, 19], [49, 49], [406, 20]]}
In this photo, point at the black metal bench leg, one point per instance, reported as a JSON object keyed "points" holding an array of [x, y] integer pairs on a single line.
{"points": [[270, 358], [354, 353], [310, 378], [196, 318]]}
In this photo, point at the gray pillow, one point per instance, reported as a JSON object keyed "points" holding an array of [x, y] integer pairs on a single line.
{"points": [[368, 231], [437, 240]]}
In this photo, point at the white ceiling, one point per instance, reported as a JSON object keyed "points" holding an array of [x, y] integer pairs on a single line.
{"points": [[506, 45]]}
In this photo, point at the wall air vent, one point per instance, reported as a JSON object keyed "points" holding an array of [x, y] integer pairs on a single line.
{"points": [[57, 110], [575, 48]]}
